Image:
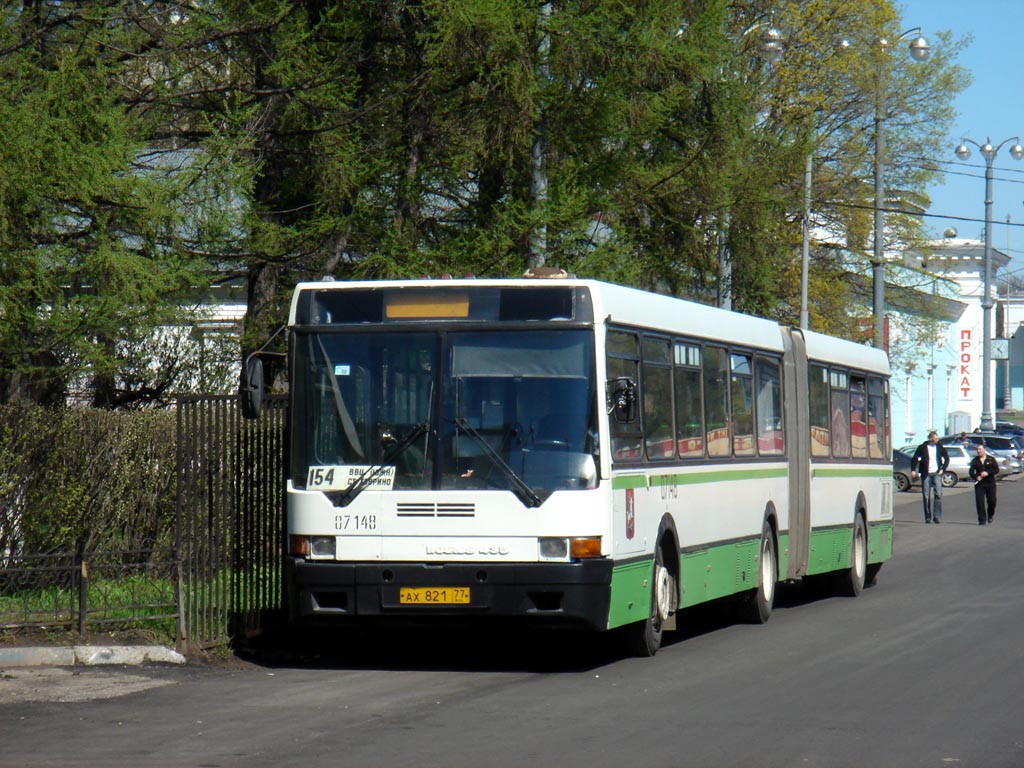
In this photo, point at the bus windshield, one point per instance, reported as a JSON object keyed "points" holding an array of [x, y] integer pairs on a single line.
{"points": [[507, 410]]}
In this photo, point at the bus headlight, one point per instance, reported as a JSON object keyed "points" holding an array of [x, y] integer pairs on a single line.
{"points": [[312, 546], [322, 546], [553, 549], [569, 549]]}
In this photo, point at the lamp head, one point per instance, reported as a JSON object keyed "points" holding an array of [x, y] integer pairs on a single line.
{"points": [[771, 44], [963, 152], [919, 48]]}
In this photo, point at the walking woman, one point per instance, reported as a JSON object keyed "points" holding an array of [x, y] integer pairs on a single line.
{"points": [[984, 469]]}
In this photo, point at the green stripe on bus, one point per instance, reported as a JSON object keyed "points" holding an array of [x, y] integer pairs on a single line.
{"points": [[692, 478], [718, 571], [830, 548], [859, 472], [706, 574], [631, 592], [880, 541], [629, 481]]}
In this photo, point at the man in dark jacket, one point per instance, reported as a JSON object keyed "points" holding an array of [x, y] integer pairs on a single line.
{"points": [[984, 469], [930, 461]]}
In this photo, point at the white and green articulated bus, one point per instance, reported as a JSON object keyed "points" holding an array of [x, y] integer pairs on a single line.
{"points": [[571, 452]]}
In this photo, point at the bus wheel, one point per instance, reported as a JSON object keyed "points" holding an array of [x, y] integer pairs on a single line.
{"points": [[643, 638], [756, 606], [851, 581], [871, 574]]}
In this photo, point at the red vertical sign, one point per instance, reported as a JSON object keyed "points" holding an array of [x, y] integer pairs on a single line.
{"points": [[966, 360]]}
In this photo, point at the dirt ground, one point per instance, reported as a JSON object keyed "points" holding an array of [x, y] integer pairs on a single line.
{"points": [[19, 685], [73, 684]]}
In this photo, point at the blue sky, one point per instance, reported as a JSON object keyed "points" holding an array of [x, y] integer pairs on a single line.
{"points": [[991, 107]]}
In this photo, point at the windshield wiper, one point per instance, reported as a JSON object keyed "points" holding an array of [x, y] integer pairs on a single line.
{"points": [[347, 496], [522, 489]]}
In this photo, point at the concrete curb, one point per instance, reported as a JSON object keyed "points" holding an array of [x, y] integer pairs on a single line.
{"points": [[88, 655]]}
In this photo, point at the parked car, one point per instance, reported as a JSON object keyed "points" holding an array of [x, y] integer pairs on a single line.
{"points": [[901, 470], [1001, 446], [960, 465], [1009, 428], [1018, 440], [958, 469]]}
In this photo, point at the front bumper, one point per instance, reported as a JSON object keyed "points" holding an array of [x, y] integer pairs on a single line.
{"points": [[572, 593]]}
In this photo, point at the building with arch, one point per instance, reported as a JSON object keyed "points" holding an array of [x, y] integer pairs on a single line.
{"points": [[936, 345]]}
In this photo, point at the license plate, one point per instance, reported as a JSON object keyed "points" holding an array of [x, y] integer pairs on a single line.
{"points": [[433, 596]]}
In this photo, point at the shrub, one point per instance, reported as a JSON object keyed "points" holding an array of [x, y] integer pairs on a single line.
{"points": [[81, 479]]}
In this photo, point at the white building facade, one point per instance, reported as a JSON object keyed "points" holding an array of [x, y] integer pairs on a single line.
{"points": [[937, 382]]}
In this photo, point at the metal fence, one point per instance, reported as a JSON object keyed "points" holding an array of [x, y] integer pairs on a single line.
{"points": [[230, 517], [222, 579], [127, 588]]}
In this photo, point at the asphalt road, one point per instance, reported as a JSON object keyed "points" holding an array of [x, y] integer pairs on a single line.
{"points": [[924, 669]]}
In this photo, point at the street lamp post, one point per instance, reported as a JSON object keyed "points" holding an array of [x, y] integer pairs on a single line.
{"points": [[989, 153], [538, 170], [805, 255], [919, 51]]}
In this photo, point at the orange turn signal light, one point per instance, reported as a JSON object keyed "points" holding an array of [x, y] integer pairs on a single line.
{"points": [[586, 547]]}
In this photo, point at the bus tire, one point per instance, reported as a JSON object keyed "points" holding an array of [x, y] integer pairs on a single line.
{"points": [[851, 580], [643, 638], [756, 605], [871, 574]]}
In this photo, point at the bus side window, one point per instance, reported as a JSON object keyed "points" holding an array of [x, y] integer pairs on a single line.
{"points": [[821, 434], [623, 363], [689, 401], [770, 438], [840, 414], [657, 387], [858, 416], [876, 418], [716, 394], [742, 391]]}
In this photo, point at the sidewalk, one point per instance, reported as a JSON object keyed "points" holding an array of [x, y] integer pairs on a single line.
{"points": [[87, 655]]}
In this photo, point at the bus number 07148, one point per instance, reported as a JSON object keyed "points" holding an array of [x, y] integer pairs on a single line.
{"points": [[355, 522]]}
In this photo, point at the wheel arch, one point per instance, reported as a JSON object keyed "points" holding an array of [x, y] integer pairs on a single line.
{"points": [[771, 516], [860, 507], [668, 540], [851, 581]]}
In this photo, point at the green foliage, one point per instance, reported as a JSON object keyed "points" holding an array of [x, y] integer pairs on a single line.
{"points": [[89, 236], [833, 82], [76, 480], [150, 143]]}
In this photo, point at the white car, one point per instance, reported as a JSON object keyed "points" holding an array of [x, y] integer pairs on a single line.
{"points": [[959, 463], [999, 446]]}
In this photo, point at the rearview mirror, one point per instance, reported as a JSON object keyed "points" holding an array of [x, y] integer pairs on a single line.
{"points": [[622, 399], [251, 390]]}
